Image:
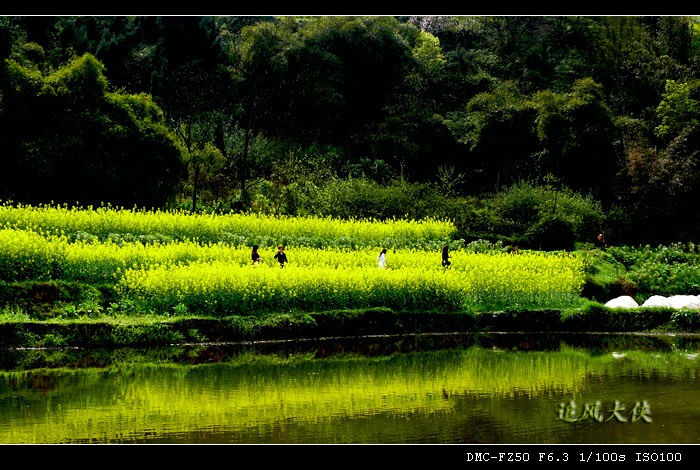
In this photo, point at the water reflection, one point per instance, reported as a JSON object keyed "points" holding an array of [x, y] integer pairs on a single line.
{"points": [[460, 388]]}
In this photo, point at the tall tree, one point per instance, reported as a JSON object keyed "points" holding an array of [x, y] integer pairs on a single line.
{"points": [[68, 139], [576, 132], [665, 181], [500, 147]]}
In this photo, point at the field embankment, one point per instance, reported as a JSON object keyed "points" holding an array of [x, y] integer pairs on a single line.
{"points": [[111, 276]]}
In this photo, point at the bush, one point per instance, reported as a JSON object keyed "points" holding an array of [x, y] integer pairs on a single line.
{"points": [[685, 320], [550, 234], [664, 270], [361, 198], [539, 215]]}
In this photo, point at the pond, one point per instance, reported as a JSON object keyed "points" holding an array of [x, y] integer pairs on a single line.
{"points": [[426, 389]]}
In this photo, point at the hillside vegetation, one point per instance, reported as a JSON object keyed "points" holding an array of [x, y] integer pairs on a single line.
{"points": [[147, 268], [536, 131]]}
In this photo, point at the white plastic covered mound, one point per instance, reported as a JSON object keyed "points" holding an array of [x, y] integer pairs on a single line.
{"points": [[675, 301], [684, 301], [624, 301], [656, 301]]}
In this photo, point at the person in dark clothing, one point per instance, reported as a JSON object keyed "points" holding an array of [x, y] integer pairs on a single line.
{"points": [[254, 254], [281, 256], [601, 240], [446, 257]]}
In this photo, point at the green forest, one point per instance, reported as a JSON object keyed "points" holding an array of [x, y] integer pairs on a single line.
{"points": [[534, 131]]}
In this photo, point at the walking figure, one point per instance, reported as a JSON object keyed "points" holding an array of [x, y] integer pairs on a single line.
{"points": [[281, 256], [381, 259], [446, 257], [256, 257], [601, 240]]}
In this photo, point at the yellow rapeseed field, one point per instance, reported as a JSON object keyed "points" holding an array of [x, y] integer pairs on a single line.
{"points": [[195, 267]]}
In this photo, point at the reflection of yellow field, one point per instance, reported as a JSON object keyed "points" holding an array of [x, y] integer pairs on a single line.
{"points": [[137, 400]]}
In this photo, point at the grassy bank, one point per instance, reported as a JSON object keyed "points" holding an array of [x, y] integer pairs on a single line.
{"points": [[152, 331]]}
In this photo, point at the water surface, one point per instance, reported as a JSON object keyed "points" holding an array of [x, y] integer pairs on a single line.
{"points": [[431, 389]]}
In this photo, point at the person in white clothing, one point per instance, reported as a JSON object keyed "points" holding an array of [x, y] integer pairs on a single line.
{"points": [[381, 259]]}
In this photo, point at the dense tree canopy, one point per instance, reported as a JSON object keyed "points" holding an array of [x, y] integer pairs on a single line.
{"points": [[267, 113], [67, 139]]}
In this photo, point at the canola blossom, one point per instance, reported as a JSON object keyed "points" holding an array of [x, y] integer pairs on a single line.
{"points": [[234, 228], [485, 281], [177, 275]]}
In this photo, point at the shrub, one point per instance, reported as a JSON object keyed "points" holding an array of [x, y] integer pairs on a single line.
{"points": [[551, 233], [531, 213]]}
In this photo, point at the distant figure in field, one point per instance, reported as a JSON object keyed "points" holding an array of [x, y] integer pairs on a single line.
{"points": [[381, 259], [256, 257], [281, 256], [601, 240], [446, 257]]}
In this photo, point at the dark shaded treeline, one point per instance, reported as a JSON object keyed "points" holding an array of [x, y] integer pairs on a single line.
{"points": [[269, 113]]}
